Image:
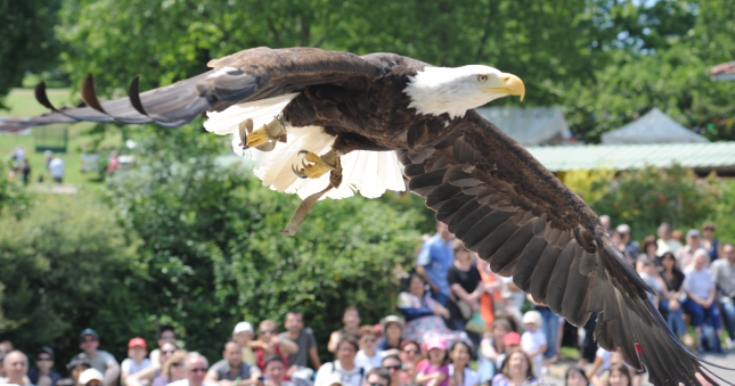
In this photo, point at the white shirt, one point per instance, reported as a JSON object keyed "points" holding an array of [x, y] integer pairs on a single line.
{"points": [[605, 356], [366, 362], [470, 376], [698, 283], [532, 341], [57, 168], [129, 366], [185, 382], [354, 377]]}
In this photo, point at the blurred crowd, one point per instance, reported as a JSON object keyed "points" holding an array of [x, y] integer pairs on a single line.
{"points": [[458, 324]]}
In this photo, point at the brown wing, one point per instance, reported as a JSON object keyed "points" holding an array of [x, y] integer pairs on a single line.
{"points": [[522, 220], [248, 75]]}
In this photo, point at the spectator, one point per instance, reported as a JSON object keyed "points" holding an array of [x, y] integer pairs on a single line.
{"points": [[460, 373], [620, 376], [269, 343], [368, 358], [57, 170], [398, 376], [549, 327], [435, 370], [723, 274], [665, 242], [575, 376], [465, 287], [678, 235], [76, 367], [172, 369], [47, 156], [136, 360], [492, 293], [434, 261], [513, 299], [629, 247], [19, 155], [647, 271], [673, 296], [196, 368], [606, 223], [113, 163], [231, 370], [306, 343], [424, 314], [43, 374], [710, 243], [90, 377], [15, 365], [511, 341], [409, 355], [148, 375], [533, 341], [344, 365], [166, 334], [603, 360], [516, 370], [648, 249], [377, 377], [243, 334], [5, 348], [351, 321], [685, 254], [275, 372], [392, 333], [101, 360], [491, 349], [700, 289], [25, 169]]}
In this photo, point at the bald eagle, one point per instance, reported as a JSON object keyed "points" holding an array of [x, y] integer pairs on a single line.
{"points": [[328, 124]]}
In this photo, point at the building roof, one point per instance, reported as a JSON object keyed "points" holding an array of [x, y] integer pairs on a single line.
{"points": [[702, 157], [530, 127], [654, 127], [724, 71]]}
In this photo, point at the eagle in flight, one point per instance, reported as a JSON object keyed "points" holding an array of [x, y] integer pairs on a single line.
{"points": [[328, 124]]}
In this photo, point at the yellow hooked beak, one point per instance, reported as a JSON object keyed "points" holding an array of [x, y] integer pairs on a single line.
{"points": [[512, 85]]}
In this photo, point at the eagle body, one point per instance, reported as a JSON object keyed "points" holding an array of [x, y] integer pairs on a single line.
{"points": [[328, 124]]}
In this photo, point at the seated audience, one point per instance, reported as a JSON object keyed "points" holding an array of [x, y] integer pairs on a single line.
{"points": [[410, 355], [460, 373], [43, 374], [148, 375], [173, 368], [166, 334], [709, 242], [575, 376], [434, 371], [423, 314], [344, 365], [666, 242], [533, 341], [90, 377], [76, 367], [685, 254], [15, 365], [351, 321], [377, 377], [723, 273], [136, 360], [306, 343], [101, 360], [648, 249], [368, 357], [516, 370], [275, 372], [628, 246], [398, 376], [700, 289], [196, 366], [491, 349], [231, 370], [673, 296], [392, 333], [243, 335], [620, 375], [269, 343], [649, 273]]}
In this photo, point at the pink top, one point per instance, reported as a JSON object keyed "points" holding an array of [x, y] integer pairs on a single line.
{"points": [[427, 368]]}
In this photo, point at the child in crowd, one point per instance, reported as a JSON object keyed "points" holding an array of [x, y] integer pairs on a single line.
{"points": [[243, 335], [435, 371], [533, 341], [136, 361], [368, 358]]}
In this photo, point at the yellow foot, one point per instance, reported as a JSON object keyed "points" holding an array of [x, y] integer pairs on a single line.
{"points": [[257, 138], [312, 166], [264, 137]]}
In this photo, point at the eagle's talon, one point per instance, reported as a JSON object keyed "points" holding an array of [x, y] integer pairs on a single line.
{"points": [[298, 173], [274, 130]]}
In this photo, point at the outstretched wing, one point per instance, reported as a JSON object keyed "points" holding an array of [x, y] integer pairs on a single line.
{"points": [[248, 75], [521, 219]]}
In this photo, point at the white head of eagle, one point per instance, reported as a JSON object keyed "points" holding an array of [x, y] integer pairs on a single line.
{"points": [[439, 90]]}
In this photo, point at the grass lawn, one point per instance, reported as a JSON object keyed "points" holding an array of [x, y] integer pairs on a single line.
{"points": [[22, 103]]}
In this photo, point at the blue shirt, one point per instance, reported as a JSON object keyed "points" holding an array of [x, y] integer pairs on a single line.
{"points": [[437, 256]]}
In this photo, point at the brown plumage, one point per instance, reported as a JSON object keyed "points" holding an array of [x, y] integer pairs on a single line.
{"points": [[489, 190]]}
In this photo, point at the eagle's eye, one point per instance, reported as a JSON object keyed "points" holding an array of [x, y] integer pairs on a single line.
{"points": [[482, 78]]}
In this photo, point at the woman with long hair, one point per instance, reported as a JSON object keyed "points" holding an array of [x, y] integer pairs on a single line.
{"points": [[172, 370], [516, 370], [673, 296], [460, 373]]}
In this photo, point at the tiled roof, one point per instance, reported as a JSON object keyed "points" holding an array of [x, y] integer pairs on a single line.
{"points": [[724, 71]]}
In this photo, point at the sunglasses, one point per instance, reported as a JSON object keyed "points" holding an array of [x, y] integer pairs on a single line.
{"points": [[268, 332], [396, 367], [199, 370], [176, 364], [44, 359]]}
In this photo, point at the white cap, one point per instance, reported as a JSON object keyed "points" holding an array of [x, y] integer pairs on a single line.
{"points": [[243, 326], [90, 375], [330, 379], [623, 228], [532, 317]]}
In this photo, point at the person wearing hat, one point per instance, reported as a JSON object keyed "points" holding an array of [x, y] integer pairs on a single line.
{"points": [[91, 377], [243, 334], [533, 341], [101, 360], [136, 360], [685, 254], [630, 248], [511, 341], [392, 333], [76, 367], [43, 374]]}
